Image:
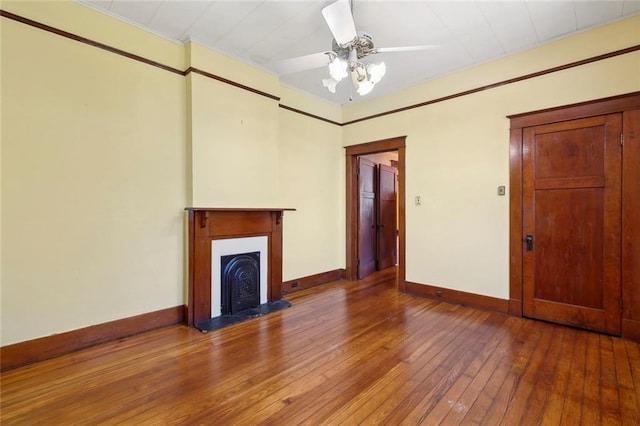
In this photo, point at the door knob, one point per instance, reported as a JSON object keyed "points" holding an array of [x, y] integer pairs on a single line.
{"points": [[529, 241]]}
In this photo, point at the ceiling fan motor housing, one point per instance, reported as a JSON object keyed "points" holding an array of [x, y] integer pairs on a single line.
{"points": [[363, 45]]}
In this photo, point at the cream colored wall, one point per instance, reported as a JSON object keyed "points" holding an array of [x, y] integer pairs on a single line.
{"points": [[311, 175], [69, 16], [311, 156], [458, 152], [310, 104], [93, 185], [234, 146], [234, 134]]}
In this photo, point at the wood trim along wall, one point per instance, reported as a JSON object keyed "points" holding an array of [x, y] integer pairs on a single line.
{"points": [[230, 82], [87, 41], [303, 283], [117, 51], [516, 243], [629, 106], [502, 83], [352, 152], [317, 117], [31, 351], [458, 297], [129, 55], [619, 103]]}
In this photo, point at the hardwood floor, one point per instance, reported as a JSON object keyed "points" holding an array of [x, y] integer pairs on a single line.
{"points": [[345, 353]]}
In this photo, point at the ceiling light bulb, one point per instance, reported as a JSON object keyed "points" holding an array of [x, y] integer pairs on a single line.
{"points": [[330, 84], [338, 69], [365, 87], [376, 71]]}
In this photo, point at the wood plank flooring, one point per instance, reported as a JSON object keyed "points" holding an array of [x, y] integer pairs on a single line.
{"points": [[345, 353]]}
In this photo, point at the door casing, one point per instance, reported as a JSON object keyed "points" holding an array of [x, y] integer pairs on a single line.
{"points": [[352, 152]]}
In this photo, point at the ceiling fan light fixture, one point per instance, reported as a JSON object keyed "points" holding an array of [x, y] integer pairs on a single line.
{"points": [[330, 84], [338, 69], [348, 48]]}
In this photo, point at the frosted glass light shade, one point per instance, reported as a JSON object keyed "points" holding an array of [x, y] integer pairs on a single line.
{"points": [[330, 84], [376, 72], [338, 69], [365, 87]]}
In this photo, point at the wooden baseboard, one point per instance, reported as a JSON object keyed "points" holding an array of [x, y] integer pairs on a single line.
{"points": [[459, 297], [631, 329], [312, 281], [31, 351]]}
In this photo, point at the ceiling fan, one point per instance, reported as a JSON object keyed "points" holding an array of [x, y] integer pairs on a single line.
{"points": [[348, 48]]}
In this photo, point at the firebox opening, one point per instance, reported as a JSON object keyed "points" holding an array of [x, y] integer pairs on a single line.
{"points": [[240, 282]]}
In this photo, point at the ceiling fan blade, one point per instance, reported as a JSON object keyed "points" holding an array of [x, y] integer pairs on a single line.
{"points": [[404, 48], [340, 21], [301, 63]]}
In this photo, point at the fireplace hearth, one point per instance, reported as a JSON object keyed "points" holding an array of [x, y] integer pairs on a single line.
{"points": [[247, 314]]}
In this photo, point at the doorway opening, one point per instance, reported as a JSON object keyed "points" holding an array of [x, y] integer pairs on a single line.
{"points": [[353, 235], [377, 206]]}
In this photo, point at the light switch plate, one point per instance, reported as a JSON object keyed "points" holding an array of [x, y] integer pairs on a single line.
{"points": [[502, 190]]}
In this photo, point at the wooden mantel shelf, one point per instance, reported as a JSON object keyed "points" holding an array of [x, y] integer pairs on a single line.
{"points": [[213, 223], [238, 209]]}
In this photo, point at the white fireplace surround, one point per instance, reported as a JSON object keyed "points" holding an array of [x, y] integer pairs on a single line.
{"points": [[230, 246]]}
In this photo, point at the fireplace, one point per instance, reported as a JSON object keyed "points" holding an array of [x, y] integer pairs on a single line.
{"points": [[235, 265]]}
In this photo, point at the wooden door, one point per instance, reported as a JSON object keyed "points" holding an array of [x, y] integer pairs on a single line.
{"points": [[366, 217], [386, 247], [571, 223]]}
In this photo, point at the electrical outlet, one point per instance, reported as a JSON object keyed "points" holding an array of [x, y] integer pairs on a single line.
{"points": [[418, 200]]}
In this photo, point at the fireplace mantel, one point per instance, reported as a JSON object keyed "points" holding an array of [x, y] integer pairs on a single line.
{"points": [[207, 224]]}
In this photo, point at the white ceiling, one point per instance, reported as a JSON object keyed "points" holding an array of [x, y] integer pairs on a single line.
{"points": [[467, 32]]}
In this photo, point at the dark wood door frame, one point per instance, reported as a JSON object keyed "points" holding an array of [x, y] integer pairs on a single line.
{"points": [[629, 106], [352, 153]]}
